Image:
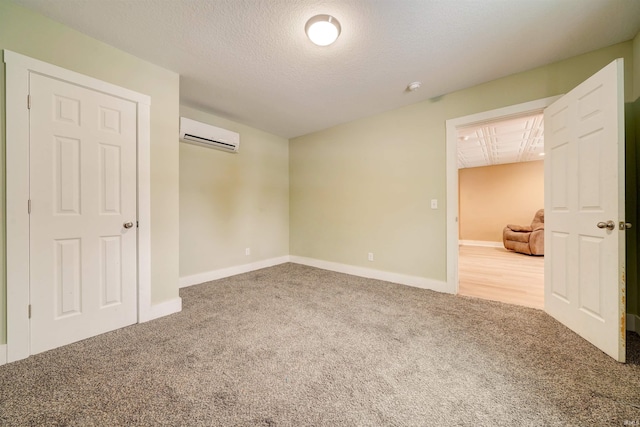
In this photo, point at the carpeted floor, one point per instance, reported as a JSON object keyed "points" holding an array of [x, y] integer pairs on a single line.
{"points": [[294, 346]]}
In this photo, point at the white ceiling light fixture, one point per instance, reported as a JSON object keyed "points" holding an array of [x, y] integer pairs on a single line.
{"points": [[323, 29], [414, 86]]}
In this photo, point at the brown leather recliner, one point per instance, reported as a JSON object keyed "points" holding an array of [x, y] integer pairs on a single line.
{"points": [[526, 239]]}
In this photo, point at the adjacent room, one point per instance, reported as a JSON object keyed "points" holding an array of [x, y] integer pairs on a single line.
{"points": [[501, 195], [255, 212]]}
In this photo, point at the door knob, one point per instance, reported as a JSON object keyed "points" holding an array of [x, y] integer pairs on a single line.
{"points": [[624, 225], [127, 225], [609, 225]]}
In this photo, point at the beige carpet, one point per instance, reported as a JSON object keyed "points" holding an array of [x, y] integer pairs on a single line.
{"points": [[295, 346]]}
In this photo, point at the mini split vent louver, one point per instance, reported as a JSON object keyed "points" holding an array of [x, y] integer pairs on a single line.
{"points": [[204, 135]]}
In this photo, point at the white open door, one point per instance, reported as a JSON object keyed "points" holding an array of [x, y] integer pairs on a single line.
{"points": [[584, 210]]}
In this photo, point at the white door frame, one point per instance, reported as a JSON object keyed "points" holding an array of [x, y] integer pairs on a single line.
{"points": [[18, 69], [452, 126]]}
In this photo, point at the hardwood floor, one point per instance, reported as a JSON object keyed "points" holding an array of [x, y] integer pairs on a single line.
{"points": [[501, 275]]}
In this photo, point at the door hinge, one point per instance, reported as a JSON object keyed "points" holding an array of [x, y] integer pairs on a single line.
{"points": [[29, 206], [29, 311], [137, 224], [28, 102]]}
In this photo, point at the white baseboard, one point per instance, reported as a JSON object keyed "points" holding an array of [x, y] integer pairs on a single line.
{"points": [[415, 281], [419, 282], [208, 276], [3, 354], [481, 243], [163, 309], [633, 323]]}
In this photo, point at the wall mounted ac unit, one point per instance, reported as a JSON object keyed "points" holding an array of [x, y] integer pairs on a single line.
{"points": [[197, 133]]}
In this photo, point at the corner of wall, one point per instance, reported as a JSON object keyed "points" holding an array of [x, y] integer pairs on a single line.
{"points": [[234, 207]]}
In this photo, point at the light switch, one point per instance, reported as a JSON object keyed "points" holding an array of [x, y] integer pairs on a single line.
{"points": [[434, 203]]}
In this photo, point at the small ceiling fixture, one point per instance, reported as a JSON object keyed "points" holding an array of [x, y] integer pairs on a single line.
{"points": [[414, 86], [322, 29]]}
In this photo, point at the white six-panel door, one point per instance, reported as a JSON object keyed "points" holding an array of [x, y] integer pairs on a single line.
{"points": [[82, 192], [584, 186]]}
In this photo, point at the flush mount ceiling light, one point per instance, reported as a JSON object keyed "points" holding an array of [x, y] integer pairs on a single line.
{"points": [[414, 86], [322, 29]]}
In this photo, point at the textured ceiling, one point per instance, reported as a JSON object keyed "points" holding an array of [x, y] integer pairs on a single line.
{"points": [[511, 140], [250, 60]]}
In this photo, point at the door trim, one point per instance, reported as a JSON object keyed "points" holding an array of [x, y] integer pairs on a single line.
{"points": [[18, 68], [452, 172]]}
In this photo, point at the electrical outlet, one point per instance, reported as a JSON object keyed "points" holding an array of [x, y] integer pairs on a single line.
{"points": [[370, 257], [247, 251], [434, 203]]}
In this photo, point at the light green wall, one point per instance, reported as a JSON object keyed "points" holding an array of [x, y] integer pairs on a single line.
{"points": [[365, 186], [34, 35], [632, 123], [635, 234], [633, 178], [360, 187], [229, 202], [636, 67]]}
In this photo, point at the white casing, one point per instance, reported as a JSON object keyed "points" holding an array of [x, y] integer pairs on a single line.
{"points": [[205, 135]]}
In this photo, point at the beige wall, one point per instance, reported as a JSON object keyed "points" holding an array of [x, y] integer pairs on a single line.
{"points": [[492, 197], [365, 186], [34, 35], [229, 202]]}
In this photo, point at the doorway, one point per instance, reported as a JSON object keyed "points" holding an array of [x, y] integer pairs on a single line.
{"points": [[501, 182], [476, 256], [584, 264]]}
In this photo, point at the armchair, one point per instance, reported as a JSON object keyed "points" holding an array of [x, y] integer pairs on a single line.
{"points": [[526, 239]]}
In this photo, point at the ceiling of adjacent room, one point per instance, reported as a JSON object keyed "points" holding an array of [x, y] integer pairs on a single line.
{"points": [[508, 140], [250, 60]]}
